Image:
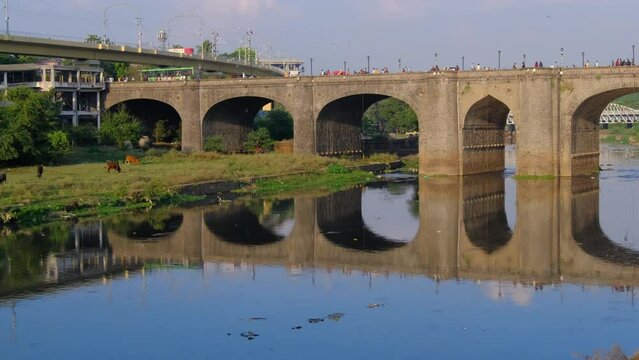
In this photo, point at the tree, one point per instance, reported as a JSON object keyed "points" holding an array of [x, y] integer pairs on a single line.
{"points": [[94, 39], [206, 46], [389, 115], [25, 124], [243, 54], [162, 131], [119, 127], [278, 122], [59, 144], [258, 141]]}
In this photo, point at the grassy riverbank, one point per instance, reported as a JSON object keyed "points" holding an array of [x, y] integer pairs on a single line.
{"points": [[619, 134], [84, 187]]}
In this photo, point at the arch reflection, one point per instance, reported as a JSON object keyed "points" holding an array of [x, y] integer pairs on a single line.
{"points": [[485, 220], [259, 222], [151, 226], [378, 217], [586, 226]]}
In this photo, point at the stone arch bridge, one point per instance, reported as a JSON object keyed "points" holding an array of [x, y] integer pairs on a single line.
{"points": [[461, 115]]}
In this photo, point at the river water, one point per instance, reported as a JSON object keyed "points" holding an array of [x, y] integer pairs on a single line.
{"points": [[445, 268]]}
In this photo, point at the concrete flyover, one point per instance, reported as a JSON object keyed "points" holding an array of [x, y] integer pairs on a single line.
{"points": [[36, 46], [461, 115]]}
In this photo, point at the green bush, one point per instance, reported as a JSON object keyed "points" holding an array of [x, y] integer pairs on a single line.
{"points": [[119, 127], [334, 168], [259, 141], [215, 144], [59, 144], [278, 122], [84, 135], [162, 131]]}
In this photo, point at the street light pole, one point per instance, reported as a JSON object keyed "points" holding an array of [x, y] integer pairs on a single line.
{"points": [[633, 49], [6, 16], [583, 59], [523, 64], [400, 64], [463, 64], [344, 67], [498, 59], [368, 60], [436, 58], [562, 57], [311, 66]]}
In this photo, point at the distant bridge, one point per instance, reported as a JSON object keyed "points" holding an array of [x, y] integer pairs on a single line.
{"points": [[612, 114], [36, 46]]}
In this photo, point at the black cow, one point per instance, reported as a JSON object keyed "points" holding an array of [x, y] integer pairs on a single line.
{"points": [[3, 178]]}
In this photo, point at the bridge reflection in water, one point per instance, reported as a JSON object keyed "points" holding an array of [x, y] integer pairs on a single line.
{"points": [[460, 231]]}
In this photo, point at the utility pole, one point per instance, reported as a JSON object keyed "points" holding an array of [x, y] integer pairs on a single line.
{"points": [[463, 65], [215, 36], [583, 59], [138, 21], [6, 16], [311, 66], [249, 33], [368, 60], [498, 59]]}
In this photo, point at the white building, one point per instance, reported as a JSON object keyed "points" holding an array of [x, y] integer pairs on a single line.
{"points": [[79, 87]]}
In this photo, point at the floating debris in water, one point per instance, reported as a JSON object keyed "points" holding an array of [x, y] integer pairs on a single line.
{"points": [[315, 320], [372, 306], [335, 316], [249, 335], [255, 318], [296, 327]]}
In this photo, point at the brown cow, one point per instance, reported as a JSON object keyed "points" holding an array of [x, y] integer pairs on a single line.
{"points": [[130, 159], [40, 170], [113, 165]]}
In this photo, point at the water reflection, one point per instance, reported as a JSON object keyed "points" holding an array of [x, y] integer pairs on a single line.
{"points": [[256, 222], [457, 228], [378, 217]]}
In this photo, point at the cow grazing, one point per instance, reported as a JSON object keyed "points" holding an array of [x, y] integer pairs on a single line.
{"points": [[40, 170], [113, 165], [130, 159], [3, 178]]}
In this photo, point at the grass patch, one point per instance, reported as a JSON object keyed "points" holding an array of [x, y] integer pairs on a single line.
{"points": [[86, 186], [327, 181]]}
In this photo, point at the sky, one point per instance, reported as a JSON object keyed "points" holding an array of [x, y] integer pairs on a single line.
{"points": [[334, 31]]}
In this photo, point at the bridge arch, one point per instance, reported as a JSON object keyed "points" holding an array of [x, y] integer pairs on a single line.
{"points": [[483, 136], [151, 112], [584, 125], [339, 121], [232, 118]]}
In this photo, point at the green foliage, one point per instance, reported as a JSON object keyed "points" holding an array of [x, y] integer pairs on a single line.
{"points": [[162, 131], [215, 144], [334, 168], [93, 39], [631, 100], [25, 124], [259, 141], [60, 144], [243, 54], [84, 135], [206, 46], [278, 122], [119, 127], [389, 115]]}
